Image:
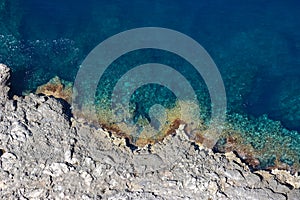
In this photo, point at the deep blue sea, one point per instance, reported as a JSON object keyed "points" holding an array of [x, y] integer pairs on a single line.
{"points": [[254, 43]]}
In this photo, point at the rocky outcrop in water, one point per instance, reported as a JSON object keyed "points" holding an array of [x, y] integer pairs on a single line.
{"points": [[47, 154]]}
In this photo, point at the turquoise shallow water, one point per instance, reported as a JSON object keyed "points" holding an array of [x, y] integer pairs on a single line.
{"points": [[255, 44]]}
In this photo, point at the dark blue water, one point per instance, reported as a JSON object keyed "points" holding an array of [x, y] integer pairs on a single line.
{"points": [[255, 44]]}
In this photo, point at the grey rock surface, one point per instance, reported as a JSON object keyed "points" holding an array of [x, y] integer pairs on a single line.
{"points": [[4, 76], [47, 154]]}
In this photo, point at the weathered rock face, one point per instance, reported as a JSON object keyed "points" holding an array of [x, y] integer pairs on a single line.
{"points": [[4, 76], [45, 154]]}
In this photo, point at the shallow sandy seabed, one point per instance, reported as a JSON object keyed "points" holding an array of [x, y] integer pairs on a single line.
{"points": [[47, 154]]}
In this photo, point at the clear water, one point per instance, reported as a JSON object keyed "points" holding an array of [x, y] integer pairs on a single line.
{"points": [[255, 44]]}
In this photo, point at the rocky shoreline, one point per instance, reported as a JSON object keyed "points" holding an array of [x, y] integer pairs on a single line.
{"points": [[47, 154]]}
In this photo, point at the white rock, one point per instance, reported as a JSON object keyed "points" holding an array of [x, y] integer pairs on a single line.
{"points": [[8, 161], [86, 177], [19, 132], [69, 158], [35, 193], [56, 169]]}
